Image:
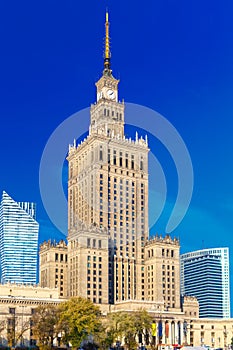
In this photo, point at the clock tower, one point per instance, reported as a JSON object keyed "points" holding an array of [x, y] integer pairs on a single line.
{"points": [[107, 114]]}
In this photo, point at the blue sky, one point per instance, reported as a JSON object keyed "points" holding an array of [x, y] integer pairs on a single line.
{"points": [[175, 57]]}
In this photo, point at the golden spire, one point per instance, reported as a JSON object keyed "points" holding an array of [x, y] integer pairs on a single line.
{"points": [[107, 53]]}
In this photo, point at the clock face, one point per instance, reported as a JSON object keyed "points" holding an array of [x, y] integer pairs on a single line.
{"points": [[111, 94]]}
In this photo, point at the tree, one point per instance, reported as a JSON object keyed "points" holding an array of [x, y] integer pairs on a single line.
{"points": [[44, 325], [143, 322], [79, 321], [15, 330], [114, 326], [21, 329], [129, 330], [128, 326]]}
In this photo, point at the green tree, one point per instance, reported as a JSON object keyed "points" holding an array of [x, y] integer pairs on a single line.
{"points": [[143, 322], [79, 320], [128, 326], [44, 324], [114, 329]]}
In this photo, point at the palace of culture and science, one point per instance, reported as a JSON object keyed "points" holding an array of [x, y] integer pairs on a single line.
{"points": [[109, 258], [108, 209]]}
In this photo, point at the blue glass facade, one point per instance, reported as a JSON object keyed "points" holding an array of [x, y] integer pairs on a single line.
{"points": [[205, 275], [18, 241]]}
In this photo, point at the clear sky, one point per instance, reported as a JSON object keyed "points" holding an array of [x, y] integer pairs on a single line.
{"points": [[175, 57]]}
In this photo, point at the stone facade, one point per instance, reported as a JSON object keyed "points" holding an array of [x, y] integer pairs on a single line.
{"points": [[216, 333], [162, 271], [17, 305], [88, 265], [183, 327], [53, 266]]}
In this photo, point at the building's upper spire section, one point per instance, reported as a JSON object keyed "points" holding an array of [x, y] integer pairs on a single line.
{"points": [[107, 53]]}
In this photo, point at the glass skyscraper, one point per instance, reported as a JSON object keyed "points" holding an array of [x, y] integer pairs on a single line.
{"points": [[18, 241], [205, 275]]}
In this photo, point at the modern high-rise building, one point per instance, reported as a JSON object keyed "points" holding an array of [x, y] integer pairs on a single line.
{"points": [[107, 202], [205, 275], [18, 241]]}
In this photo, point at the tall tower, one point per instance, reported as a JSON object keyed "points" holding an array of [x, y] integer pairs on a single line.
{"points": [[107, 201], [18, 241]]}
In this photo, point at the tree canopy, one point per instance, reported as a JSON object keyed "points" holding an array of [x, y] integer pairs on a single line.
{"points": [[44, 322], [129, 326], [79, 320]]}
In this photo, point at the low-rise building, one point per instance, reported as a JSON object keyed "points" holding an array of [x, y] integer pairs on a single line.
{"points": [[17, 305]]}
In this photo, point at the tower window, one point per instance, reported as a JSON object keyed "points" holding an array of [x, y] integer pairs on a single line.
{"points": [[101, 154], [114, 157], [126, 160], [120, 159], [132, 162]]}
